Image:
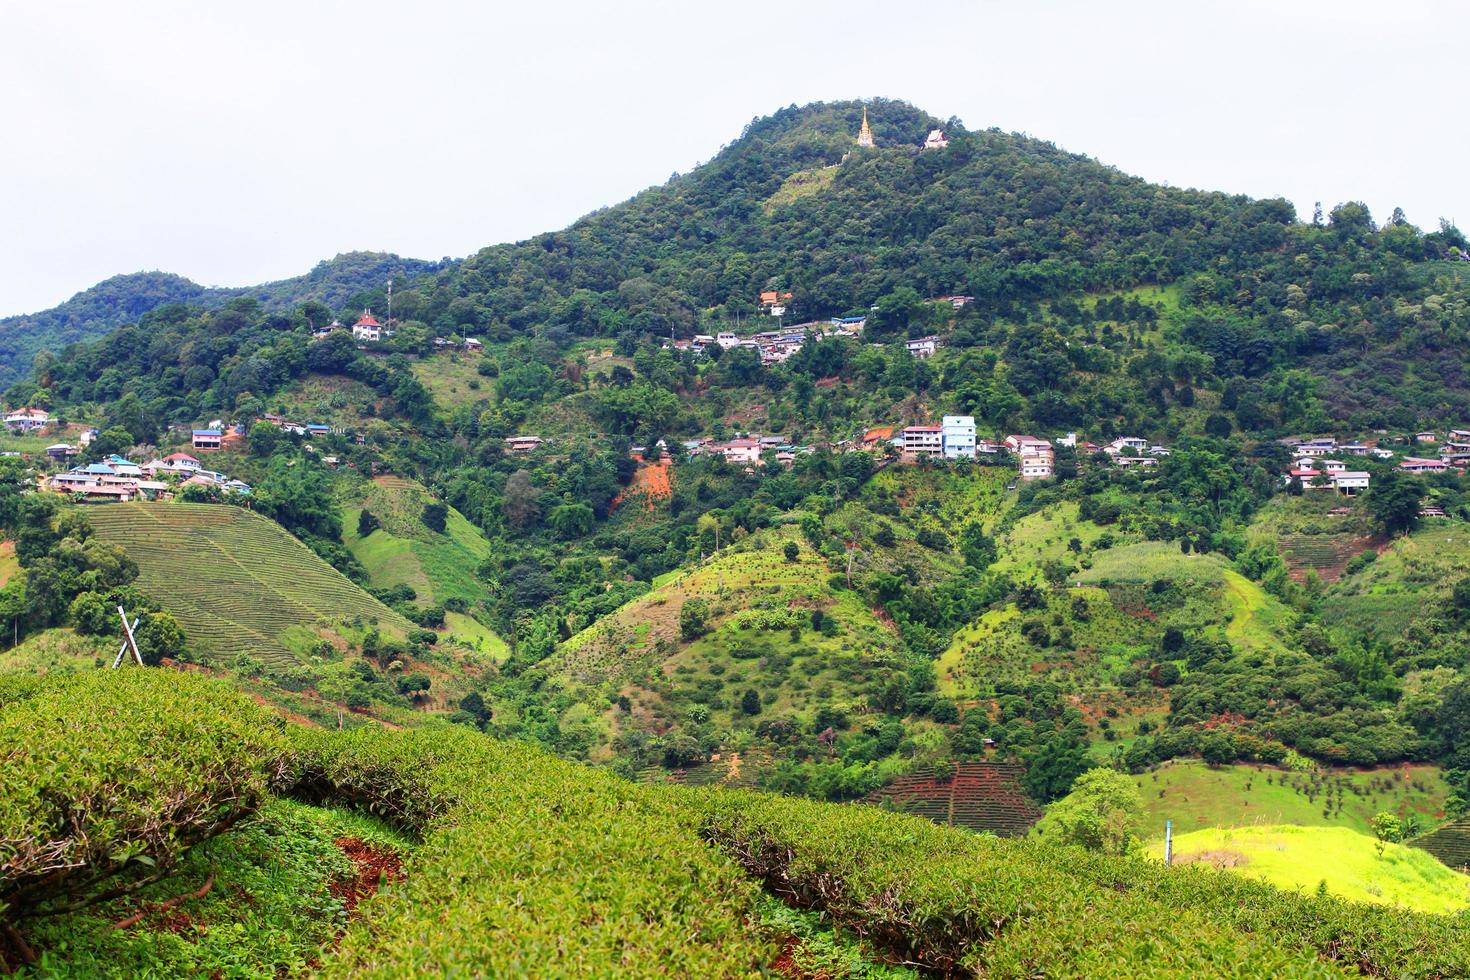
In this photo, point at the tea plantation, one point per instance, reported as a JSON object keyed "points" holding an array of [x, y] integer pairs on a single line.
{"points": [[235, 581], [520, 863]]}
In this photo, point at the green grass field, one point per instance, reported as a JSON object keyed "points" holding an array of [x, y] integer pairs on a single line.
{"points": [[454, 379], [1197, 797], [405, 552], [236, 581], [1300, 858]]}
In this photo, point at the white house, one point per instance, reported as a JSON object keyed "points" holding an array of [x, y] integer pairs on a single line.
{"points": [[1037, 467], [27, 419], [1350, 483], [1413, 464], [368, 327], [1129, 444], [742, 450], [1028, 446], [923, 440], [922, 347], [726, 339], [1333, 466], [958, 435]]}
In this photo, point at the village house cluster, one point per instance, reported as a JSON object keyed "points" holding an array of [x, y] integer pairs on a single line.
{"points": [[1320, 463], [119, 478], [773, 346], [955, 438], [777, 346]]}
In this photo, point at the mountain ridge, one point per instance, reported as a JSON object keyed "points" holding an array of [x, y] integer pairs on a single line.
{"points": [[124, 298]]}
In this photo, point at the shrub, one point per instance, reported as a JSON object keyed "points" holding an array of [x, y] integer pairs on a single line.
{"points": [[111, 776], [693, 619], [954, 903]]}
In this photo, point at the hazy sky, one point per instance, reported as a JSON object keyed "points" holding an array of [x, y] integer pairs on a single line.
{"points": [[239, 143]]}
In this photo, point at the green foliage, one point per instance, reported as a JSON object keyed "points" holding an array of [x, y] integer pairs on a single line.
{"points": [[273, 905], [112, 776], [500, 883], [1100, 813], [1393, 501], [938, 898], [435, 517]]}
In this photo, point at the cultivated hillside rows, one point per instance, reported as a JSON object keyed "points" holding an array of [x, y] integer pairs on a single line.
{"points": [[236, 581]]}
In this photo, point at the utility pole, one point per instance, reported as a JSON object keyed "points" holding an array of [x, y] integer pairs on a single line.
{"points": [[390, 302], [1168, 843]]}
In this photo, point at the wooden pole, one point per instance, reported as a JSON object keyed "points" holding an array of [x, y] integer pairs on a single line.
{"points": [[122, 651], [132, 644]]}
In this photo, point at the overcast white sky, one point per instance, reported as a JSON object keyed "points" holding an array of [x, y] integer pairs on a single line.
{"points": [[239, 143]]}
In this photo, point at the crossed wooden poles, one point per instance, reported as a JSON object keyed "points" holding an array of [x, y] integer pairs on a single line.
{"points": [[130, 644]]}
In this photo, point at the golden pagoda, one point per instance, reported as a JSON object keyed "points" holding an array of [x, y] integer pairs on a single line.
{"points": [[865, 135]]}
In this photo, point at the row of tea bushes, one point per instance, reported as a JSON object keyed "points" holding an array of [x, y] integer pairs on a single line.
{"points": [[957, 902], [530, 866]]}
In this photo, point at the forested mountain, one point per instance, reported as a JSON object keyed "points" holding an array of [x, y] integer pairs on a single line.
{"points": [[123, 299], [830, 617]]}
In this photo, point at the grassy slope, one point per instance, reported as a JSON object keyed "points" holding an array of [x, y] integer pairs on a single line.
{"points": [[405, 552], [1196, 796], [453, 379], [1291, 857], [1415, 573], [237, 582]]}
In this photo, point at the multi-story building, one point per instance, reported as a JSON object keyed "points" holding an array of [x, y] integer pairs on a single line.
{"points": [[923, 440], [957, 434]]}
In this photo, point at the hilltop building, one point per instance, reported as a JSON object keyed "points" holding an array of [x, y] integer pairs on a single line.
{"points": [[368, 327], [865, 135], [936, 140]]}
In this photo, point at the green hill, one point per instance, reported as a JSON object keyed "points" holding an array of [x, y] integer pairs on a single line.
{"points": [[657, 668], [401, 551], [237, 582]]}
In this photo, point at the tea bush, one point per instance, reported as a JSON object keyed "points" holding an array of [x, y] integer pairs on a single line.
{"points": [[110, 776], [959, 903]]}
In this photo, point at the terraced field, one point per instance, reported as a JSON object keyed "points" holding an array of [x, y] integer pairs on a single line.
{"points": [[981, 796], [1450, 843], [1325, 554], [235, 580]]}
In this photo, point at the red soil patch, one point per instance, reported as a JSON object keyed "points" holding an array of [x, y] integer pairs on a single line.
{"points": [[785, 965], [653, 482], [980, 796], [373, 866]]}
